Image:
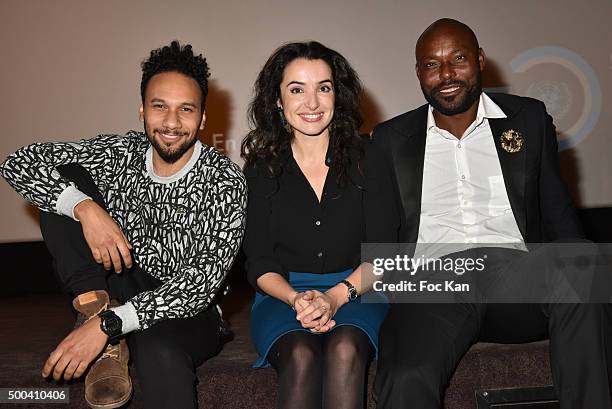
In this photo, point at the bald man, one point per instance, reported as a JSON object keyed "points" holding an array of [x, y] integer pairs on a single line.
{"points": [[473, 167]]}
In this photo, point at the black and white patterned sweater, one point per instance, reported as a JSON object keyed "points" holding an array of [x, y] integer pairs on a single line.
{"points": [[185, 229]]}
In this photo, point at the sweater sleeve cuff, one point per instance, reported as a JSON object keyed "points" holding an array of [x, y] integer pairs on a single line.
{"points": [[128, 316], [68, 199]]}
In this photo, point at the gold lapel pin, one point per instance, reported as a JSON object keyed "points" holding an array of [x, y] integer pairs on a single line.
{"points": [[512, 141]]}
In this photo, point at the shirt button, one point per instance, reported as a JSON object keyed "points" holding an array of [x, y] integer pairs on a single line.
{"points": [[463, 177], [459, 145], [318, 222], [320, 254]]}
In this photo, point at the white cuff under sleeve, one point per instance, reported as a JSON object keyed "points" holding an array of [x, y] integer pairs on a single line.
{"points": [[68, 199], [128, 316]]}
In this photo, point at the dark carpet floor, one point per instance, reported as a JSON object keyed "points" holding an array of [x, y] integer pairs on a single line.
{"points": [[30, 327]]}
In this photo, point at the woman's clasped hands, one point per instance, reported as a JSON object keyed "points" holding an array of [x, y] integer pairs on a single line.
{"points": [[315, 310]]}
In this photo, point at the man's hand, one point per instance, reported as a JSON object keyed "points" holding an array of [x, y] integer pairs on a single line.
{"points": [[74, 354], [105, 239]]}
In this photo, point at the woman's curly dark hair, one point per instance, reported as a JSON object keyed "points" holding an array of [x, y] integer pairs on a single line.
{"points": [[268, 138], [176, 58]]}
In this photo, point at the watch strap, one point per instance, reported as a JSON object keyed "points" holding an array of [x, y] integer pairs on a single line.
{"points": [[352, 291]]}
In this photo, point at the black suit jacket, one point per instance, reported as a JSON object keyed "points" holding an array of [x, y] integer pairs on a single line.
{"points": [[539, 199]]}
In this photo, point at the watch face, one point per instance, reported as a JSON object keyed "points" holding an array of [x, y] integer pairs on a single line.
{"points": [[111, 323]]}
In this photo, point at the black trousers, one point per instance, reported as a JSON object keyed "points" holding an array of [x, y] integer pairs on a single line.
{"points": [[421, 345], [165, 355]]}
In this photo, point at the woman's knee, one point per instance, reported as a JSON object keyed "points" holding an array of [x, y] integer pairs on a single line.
{"points": [[348, 344], [296, 351]]}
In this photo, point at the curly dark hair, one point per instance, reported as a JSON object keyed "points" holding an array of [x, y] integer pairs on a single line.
{"points": [[268, 137], [176, 58]]}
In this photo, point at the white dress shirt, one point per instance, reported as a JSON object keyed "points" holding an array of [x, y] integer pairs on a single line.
{"points": [[464, 199]]}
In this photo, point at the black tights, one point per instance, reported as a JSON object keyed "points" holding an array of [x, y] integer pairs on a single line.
{"points": [[322, 371]]}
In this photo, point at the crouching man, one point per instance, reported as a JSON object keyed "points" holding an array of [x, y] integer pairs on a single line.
{"points": [[143, 229]]}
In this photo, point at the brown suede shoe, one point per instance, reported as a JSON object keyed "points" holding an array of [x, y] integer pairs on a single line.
{"points": [[107, 384]]}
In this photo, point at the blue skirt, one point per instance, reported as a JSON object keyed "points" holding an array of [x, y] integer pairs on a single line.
{"points": [[272, 318]]}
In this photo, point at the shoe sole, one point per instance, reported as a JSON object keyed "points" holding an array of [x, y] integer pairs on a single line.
{"points": [[113, 405]]}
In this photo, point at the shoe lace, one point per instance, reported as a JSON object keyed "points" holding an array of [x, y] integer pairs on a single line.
{"points": [[111, 351], [103, 308]]}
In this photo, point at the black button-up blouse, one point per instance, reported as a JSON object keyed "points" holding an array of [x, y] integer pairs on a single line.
{"points": [[289, 230]]}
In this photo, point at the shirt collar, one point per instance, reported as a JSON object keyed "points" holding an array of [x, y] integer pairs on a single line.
{"points": [[195, 155], [486, 109]]}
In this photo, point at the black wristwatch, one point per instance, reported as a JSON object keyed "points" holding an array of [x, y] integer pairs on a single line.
{"points": [[111, 325], [352, 291]]}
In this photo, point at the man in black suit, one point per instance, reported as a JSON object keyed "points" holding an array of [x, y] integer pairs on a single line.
{"points": [[475, 168]]}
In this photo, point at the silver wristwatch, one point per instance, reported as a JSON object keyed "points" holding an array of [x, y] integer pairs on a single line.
{"points": [[352, 291]]}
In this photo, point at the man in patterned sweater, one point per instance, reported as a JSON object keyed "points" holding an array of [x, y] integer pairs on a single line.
{"points": [[150, 219]]}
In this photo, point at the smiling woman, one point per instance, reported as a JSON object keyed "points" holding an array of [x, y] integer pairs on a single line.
{"points": [[333, 86], [307, 97], [316, 191]]}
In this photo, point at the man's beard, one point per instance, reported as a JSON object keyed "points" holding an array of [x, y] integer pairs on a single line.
{"points": [[458, 106], [169, 156]]}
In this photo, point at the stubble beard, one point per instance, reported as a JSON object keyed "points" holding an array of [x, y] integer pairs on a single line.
{"points": [[453, 107], [167, 156]]}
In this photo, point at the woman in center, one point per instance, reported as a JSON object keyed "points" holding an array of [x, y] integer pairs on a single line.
{"points": [[317, 190]]}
